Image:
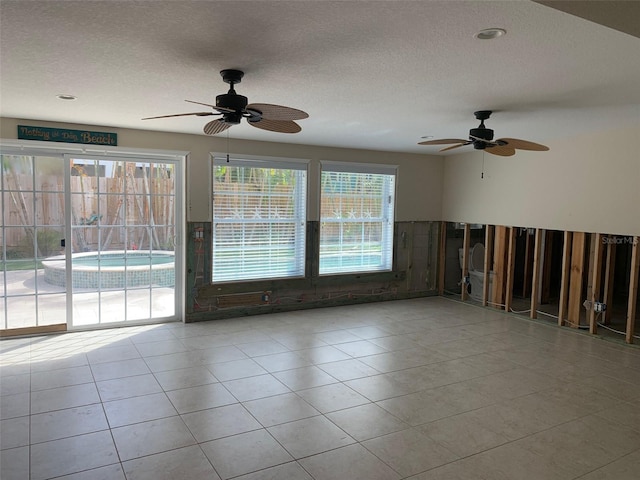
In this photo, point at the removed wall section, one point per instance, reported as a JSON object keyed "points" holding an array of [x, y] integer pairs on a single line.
{"points": [[414, 275]]}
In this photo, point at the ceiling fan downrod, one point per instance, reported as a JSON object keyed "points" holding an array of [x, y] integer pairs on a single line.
{"points": [[231, 99]]}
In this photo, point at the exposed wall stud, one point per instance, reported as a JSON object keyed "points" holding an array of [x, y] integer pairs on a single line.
{"points": [[609, 270], [545, 274], [574, 308], [633, 289], [488, 254], [528, 264], [499, 263], [596, 274], [511, 260], [566, 272], [465, 260], [442, 250], [535, 274], [590, 265]]}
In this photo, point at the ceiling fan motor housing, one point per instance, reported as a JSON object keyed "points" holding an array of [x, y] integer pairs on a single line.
{"points": [[484, 133], [235, 102]]}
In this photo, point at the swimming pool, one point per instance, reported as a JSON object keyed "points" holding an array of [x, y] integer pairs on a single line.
{"points": [[113, 269]]}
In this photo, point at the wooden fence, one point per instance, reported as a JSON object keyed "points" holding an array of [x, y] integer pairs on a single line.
{"points": [[110, 212]]}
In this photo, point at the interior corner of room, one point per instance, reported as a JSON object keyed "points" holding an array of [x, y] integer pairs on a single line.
{"points": [[545, 231], [532, 244]]}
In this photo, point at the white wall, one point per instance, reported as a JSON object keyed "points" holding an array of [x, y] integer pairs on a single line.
{"points": [[419, 183], [589, 183]]}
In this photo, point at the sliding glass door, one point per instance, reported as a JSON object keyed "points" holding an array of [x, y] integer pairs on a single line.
{"points": [[89, 241], [123, 240], [32, 226]]}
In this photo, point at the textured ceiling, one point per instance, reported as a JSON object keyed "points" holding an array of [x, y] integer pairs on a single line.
{"points": [[371, 74]]}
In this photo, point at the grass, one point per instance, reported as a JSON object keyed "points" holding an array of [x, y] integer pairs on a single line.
{"points": [[26, 264]]}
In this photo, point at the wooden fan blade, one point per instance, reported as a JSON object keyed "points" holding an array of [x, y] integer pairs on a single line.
{"points": [[453, 146], [501, 150], [220, 109], [198, 114], [444, 141], [280, 126], [522, 144], [216, 126], [277, 112]]}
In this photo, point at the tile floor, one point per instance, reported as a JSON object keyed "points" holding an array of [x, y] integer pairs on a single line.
{"points": [[418, 389]]}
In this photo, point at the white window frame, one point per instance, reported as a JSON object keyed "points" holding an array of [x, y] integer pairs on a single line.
{"points": [[70, 151], [386, 220], [245, 270]]}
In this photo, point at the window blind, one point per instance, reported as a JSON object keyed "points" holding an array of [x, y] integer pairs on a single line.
{"points": [[356, 218], [259, 216]]}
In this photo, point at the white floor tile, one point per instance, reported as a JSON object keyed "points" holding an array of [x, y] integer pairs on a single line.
{"points": [[147, 438], [71, 455], [245, 453], [422, 389]]}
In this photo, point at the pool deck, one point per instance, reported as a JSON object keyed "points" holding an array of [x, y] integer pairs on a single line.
{"points": [[110, 306]]}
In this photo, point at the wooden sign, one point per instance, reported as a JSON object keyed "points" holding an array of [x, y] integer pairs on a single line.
{"points": [[26, 132]]}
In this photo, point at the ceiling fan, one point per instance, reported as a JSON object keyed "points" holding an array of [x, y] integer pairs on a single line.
{"points": [[482, 139], [233, 108]]}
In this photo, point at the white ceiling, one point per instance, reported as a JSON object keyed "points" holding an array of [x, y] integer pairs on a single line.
{"points": [[371, 74]]}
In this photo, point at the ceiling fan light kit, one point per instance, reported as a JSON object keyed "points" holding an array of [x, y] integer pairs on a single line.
{"points": [[482, 139], [233, 107]]}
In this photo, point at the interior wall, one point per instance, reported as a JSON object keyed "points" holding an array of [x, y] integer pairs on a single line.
{"points": [[419, 181], [589, 183]]}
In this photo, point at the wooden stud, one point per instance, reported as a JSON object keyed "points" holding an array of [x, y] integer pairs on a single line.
{"points": [[466, 243], [528, 265], [590, 265], [564, 283], [511, 260], [574, 303], [535, 274], [596, 274], [442, 250], [488, 253], [609, 270], [633, 289], [545, 289], [499, 261]]}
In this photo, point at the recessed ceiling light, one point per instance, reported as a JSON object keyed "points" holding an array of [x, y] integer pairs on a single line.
{"points": [[64, 96], [427, 136], [490, 33]]}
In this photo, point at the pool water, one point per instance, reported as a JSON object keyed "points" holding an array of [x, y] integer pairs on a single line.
{"points": [[120, 260]]}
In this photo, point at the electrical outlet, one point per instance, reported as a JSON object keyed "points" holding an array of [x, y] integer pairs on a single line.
{"points": [[599, 307]]}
